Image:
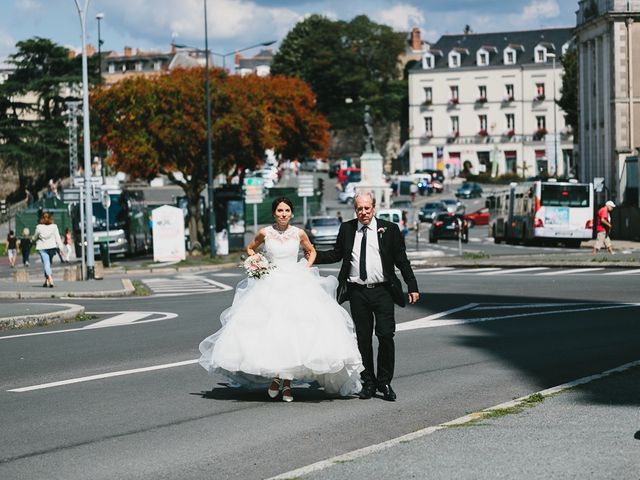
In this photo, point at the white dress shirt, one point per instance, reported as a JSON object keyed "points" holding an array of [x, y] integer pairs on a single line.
{"points": [[375, 273]]}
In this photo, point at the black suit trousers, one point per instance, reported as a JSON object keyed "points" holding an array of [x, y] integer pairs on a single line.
{"points": [[372, 310]]}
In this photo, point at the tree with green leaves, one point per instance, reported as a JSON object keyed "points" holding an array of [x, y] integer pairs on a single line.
{"points": [[568, 100], [356, 60], [33, 134]]}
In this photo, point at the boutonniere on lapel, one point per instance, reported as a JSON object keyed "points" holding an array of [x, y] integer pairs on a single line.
{"points": [[381, 231]]}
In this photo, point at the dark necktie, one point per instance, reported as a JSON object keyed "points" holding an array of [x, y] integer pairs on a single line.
{"points": [[363, 254]]}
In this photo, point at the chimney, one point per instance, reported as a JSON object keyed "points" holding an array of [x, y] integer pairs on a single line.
{"points": [[236, 59], [127, 51], [416, 42], [90, 50]]}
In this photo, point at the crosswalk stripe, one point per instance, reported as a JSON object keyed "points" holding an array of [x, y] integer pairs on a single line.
{"points": [[431, 270], [515, 270], [573, 270], [624, 272], [470, 270]]}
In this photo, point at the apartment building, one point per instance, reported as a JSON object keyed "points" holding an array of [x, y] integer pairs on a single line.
{"points": [[608, 43], [484, 103]]}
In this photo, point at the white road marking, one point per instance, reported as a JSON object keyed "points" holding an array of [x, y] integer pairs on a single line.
{"points": [[223, 274], [431, 270], [363, 452], [429, 321], [515, 270], [184, 285], [573, 270], [469, 270], [624, 272], [123, 318], [512, 306], [101, 376]]}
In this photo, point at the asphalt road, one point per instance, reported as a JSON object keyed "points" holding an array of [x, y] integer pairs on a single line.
{"points": [[473, 341]]}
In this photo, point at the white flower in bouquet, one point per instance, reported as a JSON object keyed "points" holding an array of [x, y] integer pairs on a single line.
{"points": [[257, 265]]}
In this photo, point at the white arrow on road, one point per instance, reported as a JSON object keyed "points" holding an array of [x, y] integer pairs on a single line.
{"points": [[125, 318]]}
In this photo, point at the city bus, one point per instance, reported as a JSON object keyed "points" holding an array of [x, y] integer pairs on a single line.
{"points": [[549, 212]]}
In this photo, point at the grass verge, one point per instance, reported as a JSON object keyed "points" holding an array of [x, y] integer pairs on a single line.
{"points": [[140, 289]]}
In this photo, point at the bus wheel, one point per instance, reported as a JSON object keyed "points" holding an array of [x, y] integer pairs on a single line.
{"points": [[496, 239]]}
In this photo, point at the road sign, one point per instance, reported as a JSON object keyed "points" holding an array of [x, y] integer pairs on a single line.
{"points": [[3, 207], [106, 200], [598, 184], [78, 181], [71, 195], [253, 194], [305, 185]]}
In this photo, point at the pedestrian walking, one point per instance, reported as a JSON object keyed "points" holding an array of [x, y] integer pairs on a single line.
{"points": [[12, 244], [413, 190], [339, 215], [603, 228], [48, 243], [25, 246], [67, 240], [370, 249]]}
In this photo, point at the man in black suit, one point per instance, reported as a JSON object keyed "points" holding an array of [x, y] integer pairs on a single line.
{"points": [[370, 284]]}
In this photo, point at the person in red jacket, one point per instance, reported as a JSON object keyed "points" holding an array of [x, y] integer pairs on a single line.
{"points": [[603, 228]]}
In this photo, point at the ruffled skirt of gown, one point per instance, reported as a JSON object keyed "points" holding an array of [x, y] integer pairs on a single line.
{"points": [[288, 325]]}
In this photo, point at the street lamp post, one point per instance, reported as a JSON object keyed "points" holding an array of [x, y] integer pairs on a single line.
{"points": [[225, 55], [99, 17], [88, 198], [555, 129], [212, 214]]}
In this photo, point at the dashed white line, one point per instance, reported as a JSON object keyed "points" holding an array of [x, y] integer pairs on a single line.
{"points": [[515, 270], [624, 272], [573, 270]]}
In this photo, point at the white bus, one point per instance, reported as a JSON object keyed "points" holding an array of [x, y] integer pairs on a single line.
{"points": [[543, 212]]}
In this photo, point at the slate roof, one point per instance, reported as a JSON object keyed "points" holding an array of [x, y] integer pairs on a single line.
{"points": [[524, 42]]}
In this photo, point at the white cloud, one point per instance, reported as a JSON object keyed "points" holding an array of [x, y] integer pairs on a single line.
{"points": [[540, 9], [401, 17], [238, 21], [28, 5], [7, 46]]}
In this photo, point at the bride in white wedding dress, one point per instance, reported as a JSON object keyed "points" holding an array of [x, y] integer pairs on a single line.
{"points": [[287, 324]]}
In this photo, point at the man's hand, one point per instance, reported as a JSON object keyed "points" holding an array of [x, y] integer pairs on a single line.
{"points": [[413, 297]]}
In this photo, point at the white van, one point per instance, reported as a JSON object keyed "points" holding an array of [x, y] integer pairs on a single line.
{"points": [[393, 215]]}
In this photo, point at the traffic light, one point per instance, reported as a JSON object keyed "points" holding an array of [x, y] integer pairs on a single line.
{"points": [[3, 207]]}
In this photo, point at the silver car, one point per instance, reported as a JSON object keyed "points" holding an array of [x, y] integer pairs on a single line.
{"points": [[322, 230]]}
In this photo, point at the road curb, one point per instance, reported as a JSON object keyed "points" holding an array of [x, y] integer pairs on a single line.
{"points": [[464, 420], [41, 319], [127, 290], [165, 269]]}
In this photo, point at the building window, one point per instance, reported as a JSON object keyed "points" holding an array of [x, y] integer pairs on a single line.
{"points": [[454, 99], [482, 121], [509, 93], [509, 57], [540, 95], [111, 68], [428, 61], [511, 161], [428, 96], [428, 126], [483, 58], [454, 60], [541, 121], [511, 121], [541, 130], [540, 55], [455, 126], [482, 94]]}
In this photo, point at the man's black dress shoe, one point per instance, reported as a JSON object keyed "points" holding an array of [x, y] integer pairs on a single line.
{"points": [[387, 392], [367, 392]]}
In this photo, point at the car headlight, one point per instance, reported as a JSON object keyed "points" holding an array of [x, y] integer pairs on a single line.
{"points": [[314, 231]]}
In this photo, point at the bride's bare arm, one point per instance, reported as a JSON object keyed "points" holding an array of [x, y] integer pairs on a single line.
{"points": [[307, 246], [255, 243]]}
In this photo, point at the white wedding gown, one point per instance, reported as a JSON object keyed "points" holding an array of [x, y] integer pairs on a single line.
{"points": [[286, 324]]}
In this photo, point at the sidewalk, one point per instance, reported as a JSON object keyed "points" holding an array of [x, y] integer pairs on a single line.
{"points": [[578, 430], [109, 287]]}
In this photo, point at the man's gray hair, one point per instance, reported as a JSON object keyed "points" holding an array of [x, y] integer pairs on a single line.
{"points": [[364, 193]]}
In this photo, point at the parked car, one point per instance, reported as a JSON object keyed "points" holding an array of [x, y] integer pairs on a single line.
{"points": [[322, 230], [435, 174], [424, 185], [453, 206], [450, 226], [352, 177], [410, 208], [479, 217], [437, 186], [430, 210], [346, 195], [469, 190]]}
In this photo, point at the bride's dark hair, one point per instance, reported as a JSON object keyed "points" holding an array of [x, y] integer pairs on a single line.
{"points": [[280, 200]]}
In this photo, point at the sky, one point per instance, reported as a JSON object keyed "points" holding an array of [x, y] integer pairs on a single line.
{"points": [[150, 25]]}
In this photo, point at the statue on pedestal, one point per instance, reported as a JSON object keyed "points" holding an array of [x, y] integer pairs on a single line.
{"points": [[369, 142]]}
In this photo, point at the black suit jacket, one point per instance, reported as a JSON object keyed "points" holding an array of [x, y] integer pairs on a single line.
{"points": [[392, 252]]}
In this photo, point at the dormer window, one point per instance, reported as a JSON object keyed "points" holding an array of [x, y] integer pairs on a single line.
{"points": [[540, 54], [482, 58], [509, 56], [454, 59], [428, 61]]}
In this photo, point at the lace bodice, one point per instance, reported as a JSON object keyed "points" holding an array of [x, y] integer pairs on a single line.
{"points": [[282, 247]]}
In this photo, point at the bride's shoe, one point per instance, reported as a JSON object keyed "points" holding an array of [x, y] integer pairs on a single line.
{"points": [[274, 388], [286, 394]]}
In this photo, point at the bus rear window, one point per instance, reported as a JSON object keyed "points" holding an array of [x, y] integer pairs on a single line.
{"points": [[554, 195]]}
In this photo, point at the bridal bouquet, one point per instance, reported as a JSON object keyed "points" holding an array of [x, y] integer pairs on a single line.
{"points": [[257, 265]]}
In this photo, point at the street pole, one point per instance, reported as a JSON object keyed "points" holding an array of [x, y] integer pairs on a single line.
{"points": [[555, 129], [212, 215], [82, 12], [99, 17]]}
